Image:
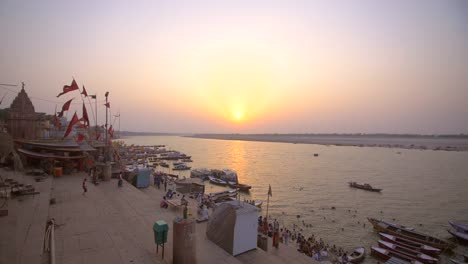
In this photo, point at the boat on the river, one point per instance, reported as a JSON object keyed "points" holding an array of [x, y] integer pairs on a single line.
{"points": [[458, 261], [219, 196], [398, 225], [408, 234], [217, 181], [408, 252], [163, 164], [364, 186], [387, 254], [240, 186], [459, 226], [181, 167], [411, 244], [465, 260], [460, 235], [357, 256], [258, 203]]}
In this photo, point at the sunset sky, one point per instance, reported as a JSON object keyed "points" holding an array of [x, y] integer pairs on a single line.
{"points": [[246, 66]]}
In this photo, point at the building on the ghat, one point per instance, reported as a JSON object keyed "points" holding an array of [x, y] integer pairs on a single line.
{"points": [[34, 140]]}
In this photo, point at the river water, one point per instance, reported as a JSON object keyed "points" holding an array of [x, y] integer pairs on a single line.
{"points": [[421, 188]]}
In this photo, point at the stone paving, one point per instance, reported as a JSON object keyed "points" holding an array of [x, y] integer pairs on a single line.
{"points": [[22, 231], [110, 225]]}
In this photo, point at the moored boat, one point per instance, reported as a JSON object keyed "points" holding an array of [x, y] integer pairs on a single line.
{"points": [[218, 196], [408, 234], [458, 261], [398, 225], [181, 167], [411, 244], [387, 254], [459, 226], [458, 234], [240, 186], [356, 257], [217, 181], [408, 252], [258, 203], [364, 186]]}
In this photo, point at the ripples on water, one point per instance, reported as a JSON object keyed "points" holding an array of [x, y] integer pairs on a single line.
{"points": [[423, 189]]}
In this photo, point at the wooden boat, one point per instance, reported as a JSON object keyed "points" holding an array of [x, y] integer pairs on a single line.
{"points": [[410, 244], [258, 203], [398, 225], [240, 186], [164, 164], [407, 234], [459, 226], [387, 254], [408, 252], [356, 257], [217, 181], [459, 261], [460, 235], [364, 186], [223, 195], [181, 167]]}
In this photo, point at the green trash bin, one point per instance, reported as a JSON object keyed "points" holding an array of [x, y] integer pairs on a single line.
{"points": [[160, 229]]}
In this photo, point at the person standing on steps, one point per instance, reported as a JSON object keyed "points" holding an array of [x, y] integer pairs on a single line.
{"points": [[85, 188]]}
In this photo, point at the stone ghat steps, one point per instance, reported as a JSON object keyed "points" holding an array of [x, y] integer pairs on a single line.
{"points": [[285, 254]]}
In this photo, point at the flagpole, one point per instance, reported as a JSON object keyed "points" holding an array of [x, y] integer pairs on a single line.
{"points": [[268, 203]]}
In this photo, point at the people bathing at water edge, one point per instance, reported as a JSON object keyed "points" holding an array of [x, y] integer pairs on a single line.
{"points": [[311, 246]]}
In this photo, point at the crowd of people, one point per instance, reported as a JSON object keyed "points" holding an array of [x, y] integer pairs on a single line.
{"points": [[310, 246]]}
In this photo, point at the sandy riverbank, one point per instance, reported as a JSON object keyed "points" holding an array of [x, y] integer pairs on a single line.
{"points": [[403, 142]]}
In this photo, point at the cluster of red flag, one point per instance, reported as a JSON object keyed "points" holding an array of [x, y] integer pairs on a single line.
{"points": [[75, 120], [66, 107]]}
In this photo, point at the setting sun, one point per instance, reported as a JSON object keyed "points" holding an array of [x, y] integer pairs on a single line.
{"points": [[238, 116]]}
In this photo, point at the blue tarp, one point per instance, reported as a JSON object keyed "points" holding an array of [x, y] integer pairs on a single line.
{"points": [[143, 178]]}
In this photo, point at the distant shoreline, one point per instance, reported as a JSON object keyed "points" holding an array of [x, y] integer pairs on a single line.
{"points": [[422, 142]]}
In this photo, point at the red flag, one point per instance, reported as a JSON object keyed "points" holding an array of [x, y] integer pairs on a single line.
{"points": [[84, 92], [57, 122], [73, 121], [81, 125], [69, 88], [80, 138], [111, 131], [85, 115], [107, 105], [65, 107]]}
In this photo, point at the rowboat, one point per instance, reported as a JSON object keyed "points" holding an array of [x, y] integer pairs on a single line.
{"points": [[408, 252], [459, 226], [217, 181], [258, 203], [222, 195], [356, 257], [387, 254], [410, 244], [240, 186], [408, 234], [398, 225], [364, 186], [181, 167], [460, 235], [458, 261]]}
